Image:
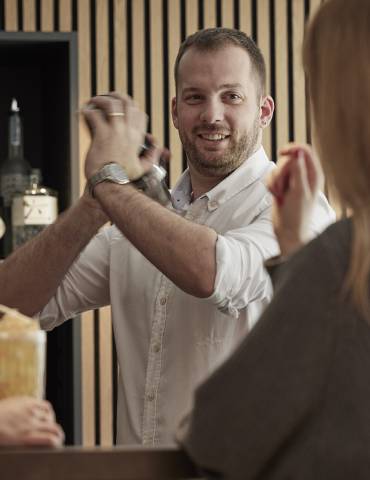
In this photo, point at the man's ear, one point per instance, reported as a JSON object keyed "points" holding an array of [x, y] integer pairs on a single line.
{"points": [[266, 111], [174, 112]]}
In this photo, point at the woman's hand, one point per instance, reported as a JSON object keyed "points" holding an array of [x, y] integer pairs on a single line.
{"points": [[28, 421], [295, 184], [118, 128]]}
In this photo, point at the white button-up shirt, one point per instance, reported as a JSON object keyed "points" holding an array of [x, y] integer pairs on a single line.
{"points": [[168, 341]]}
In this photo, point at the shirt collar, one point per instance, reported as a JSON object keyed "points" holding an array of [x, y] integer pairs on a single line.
{"points": [[249, 171]]}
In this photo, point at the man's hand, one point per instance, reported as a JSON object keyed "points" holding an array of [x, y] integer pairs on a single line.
{"points": [[295, 185], [28, 421], [118, 128]]}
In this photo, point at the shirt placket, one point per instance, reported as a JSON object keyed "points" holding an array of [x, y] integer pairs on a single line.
{"points": [[152, 406], [153, 375]]}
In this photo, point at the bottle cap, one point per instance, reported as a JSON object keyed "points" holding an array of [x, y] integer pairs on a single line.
{"points": [[14, 106]]}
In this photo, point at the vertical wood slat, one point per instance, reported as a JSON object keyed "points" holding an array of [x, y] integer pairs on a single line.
{"points": [[191, 16], [156, 73], [106, 377], [105, 323], [281, 73], [120, 46], [299, 94], [87, 325], [227, 13], [138, 55], [47, 18], [29, 15], [101, 47], [11, 16], [65, 15], [263, 35], [314, 5], [209, 13], [245, 16], [173, 46]]}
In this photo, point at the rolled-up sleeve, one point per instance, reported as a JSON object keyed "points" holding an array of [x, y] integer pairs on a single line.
{"points": [[85, 286], [240, 255]]}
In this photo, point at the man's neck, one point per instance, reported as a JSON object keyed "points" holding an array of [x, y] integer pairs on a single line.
{"points": [[201, 183]]}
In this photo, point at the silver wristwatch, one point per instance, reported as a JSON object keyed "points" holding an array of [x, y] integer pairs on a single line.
{"points": [[112, 172], [151, 183]]}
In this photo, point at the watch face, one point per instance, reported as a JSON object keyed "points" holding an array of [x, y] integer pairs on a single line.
{"points": [[117, 174]]}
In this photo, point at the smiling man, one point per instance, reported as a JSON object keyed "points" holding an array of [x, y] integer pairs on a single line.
{"points": [[187, 283], [220, 107]]}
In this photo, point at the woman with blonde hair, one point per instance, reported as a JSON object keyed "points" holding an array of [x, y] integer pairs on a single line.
{"points": [[294, 399]]}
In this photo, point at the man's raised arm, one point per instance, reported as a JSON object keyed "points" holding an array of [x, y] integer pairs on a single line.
{"points": [[30, 276]]}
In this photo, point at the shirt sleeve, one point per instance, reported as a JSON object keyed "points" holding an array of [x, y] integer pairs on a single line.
{"points": [[240, 255], [255, 404], [85, 286]]}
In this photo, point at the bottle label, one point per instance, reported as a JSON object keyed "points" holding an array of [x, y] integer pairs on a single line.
{"points": [[11, 184], [34, 210]]}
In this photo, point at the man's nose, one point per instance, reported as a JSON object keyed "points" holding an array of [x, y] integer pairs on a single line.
{"points": [[213, 111]]}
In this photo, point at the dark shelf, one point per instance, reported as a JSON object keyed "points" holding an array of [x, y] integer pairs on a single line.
{"points": [[40, 71]]}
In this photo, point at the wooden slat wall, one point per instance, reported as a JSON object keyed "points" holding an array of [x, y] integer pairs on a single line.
{"points": [[174, 40], [281, 69], [299, 94], [87, 326], [130, 46], [156, 71], [105, 376], [263, 39]]}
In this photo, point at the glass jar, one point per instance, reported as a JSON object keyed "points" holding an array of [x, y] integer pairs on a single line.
{"points": [[22, 363]]}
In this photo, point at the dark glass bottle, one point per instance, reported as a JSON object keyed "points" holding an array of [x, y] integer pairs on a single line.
{"points": [[14, 172]]}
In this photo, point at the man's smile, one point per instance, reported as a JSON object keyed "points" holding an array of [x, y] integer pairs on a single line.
{"points": [[213, 137]]}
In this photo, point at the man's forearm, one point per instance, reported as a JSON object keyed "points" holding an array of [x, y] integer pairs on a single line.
{"points": [[30, 276], [182, 250]]}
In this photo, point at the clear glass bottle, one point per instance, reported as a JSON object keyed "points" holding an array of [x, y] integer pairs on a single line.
{"points": [[33, 210], [14, 172]]}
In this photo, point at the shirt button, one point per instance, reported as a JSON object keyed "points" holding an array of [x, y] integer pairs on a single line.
{"points": [[156, 347], [163, 301], [150, 397], [212, 204]]}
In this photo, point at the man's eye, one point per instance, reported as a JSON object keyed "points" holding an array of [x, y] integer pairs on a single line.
{"points": [[193, 98], [234, 96]]}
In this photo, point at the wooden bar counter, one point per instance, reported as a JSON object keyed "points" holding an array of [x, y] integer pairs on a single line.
{"points": [[76, 463]]}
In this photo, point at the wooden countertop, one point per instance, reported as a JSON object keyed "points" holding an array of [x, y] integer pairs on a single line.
{"points": [[97, 463]]}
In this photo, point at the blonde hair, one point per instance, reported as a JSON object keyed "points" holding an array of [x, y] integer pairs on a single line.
{"points": [[336, 57]]}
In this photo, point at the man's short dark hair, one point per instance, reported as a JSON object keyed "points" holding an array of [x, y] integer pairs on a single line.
{"points": [[216, 38]]}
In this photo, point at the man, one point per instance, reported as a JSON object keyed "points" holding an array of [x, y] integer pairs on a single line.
{"points": [[185, 284]]}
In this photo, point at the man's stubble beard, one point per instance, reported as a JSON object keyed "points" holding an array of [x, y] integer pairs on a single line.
{"points": [[222, 165]]}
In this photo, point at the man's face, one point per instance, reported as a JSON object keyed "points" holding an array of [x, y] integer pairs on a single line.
{"points": [[217, 109]]}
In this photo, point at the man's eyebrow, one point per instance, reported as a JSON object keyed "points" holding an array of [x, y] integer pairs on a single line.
{"points": [[221, 87], [191, 89], [231, 85]]}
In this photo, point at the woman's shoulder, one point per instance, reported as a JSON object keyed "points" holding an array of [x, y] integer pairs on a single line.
{"points": [[332, 246], [324, 260]]}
